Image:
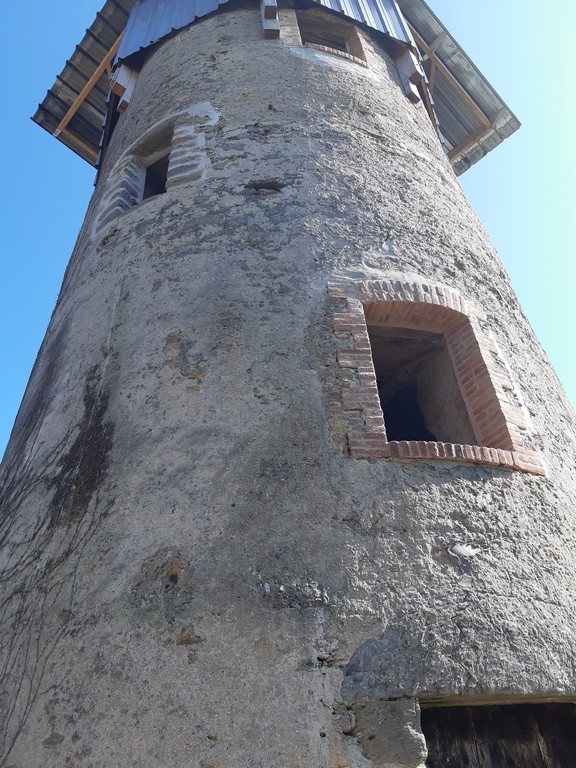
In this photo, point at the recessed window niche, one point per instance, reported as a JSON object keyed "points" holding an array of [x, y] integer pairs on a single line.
{"points": [[417, 388], [429, 381], [155, 177], [167, 156], [330, 33]]}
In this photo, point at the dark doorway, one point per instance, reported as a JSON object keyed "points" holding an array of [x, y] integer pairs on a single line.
{"points": [[507, 736]]}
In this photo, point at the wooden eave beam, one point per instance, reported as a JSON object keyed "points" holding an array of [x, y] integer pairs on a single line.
{"points": [[432, 79], [79, 100], [90, 151], [436, 42], [470, 103], [468, 142]]}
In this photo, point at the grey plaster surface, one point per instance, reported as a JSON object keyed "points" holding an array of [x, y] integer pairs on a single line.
{"points": [[195, 572]]}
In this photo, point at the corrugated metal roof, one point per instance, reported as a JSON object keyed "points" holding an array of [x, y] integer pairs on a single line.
{"points": [[472, 117], [383, 15], [151, 20]]}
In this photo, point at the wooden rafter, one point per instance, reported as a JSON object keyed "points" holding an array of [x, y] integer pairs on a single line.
{"points": [[432, 78], [468, 142], [470, 103], [79, 100], [435, 44], [90, 151], [436, 65]]}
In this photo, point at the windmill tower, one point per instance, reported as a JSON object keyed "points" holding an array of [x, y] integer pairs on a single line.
{"points": [[291, 484]]}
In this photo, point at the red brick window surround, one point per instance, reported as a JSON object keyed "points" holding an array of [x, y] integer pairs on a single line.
{"points": [[329, 33], [489, 398]]}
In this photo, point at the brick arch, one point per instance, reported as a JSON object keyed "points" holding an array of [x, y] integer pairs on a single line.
{"points": [[492, 400]]}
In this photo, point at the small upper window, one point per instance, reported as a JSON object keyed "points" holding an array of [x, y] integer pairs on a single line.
{"points": [[156, 177], [319, 29]]}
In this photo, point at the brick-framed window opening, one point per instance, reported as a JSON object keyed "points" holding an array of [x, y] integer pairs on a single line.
{"points": [[434, 347], [330, 33]]}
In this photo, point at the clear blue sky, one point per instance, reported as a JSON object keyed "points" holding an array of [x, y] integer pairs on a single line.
{"points": [[525, 191]]}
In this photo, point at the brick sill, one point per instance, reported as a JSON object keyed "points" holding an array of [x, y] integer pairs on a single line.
{"points": [[336, 52], [373, 446]]}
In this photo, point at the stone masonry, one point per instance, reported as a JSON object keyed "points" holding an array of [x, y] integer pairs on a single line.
{"points": [[201, 568]]}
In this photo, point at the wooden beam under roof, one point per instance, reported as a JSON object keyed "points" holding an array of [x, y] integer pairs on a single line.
{"points": [[469, 142], [90, 151], [438, 66], [81, 98], [466, 98]]}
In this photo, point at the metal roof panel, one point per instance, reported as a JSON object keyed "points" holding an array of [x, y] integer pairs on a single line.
{"points": [[151, 20]]}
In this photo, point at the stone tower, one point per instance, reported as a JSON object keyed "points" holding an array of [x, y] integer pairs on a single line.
{"points": [[292, 483]]}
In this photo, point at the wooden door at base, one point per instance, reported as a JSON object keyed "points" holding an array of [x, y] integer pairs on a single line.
{"points": [[510, 736]]}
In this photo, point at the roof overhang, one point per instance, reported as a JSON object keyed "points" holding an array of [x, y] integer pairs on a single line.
{"points": [[473, 119], [75, 107]]}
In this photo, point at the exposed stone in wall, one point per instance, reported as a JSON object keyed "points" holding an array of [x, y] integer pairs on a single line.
{"points": [[389, 733]]}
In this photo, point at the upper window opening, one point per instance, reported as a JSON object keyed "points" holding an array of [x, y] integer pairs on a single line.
{"points": [[156, 177], [318, 28], [321, 36]]}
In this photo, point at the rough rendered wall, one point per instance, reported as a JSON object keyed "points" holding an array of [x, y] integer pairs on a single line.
{"points": [[196, 573]]}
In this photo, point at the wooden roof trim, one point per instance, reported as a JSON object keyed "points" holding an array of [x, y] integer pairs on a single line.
{"points": [[469, 142]]}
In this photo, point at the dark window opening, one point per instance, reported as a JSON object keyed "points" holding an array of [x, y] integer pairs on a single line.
{"points": [[417, 387], [329, 40], [506, 736], [403, 417], [156, 178], [321, 28]]}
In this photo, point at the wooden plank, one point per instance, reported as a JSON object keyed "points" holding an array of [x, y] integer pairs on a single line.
{"points": [[270, 9], [120, 79], [270, 23], [123, 84], [93, 153], [128, 91], [408, 62], [470, 103], [96, 75], [432, 80], [271, 28], [523, 735], [468, 142], [436, 42]]}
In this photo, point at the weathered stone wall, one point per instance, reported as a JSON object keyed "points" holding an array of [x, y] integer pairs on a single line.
{"points": [[196, 572]]}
